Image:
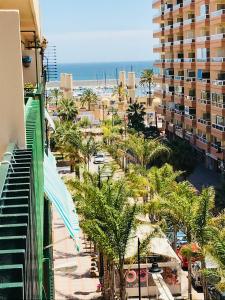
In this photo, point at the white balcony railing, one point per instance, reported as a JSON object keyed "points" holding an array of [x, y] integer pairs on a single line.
{"points": [[188, 21], [204, 101], [202, 139], [218, 36], [189, 41], [203, 59], [168, 27], [201, 18], [218, 82], [191, 60], [179, 77], [177, 6], [217, 13], [218, 59], [217, 104], [169, 76], [204, 121], [218, 127], [168, 44], [204, 80], [190, 98], [191, 117], [179, 112], [178, 60], [169, 60], [177, 25], [187, 2], [202, 38], [179, 42], [190, 79]]}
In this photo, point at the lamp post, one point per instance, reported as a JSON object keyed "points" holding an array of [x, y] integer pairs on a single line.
{"points": [[139, 271]]}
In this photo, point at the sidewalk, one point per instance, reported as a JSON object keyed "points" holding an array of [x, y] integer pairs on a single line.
{"points": [[71, 269]]}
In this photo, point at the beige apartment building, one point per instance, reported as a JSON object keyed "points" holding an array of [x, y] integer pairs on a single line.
{"points": [[191, 78]]}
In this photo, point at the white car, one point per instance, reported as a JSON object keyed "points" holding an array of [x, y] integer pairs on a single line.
{"points": [[99, 158]]}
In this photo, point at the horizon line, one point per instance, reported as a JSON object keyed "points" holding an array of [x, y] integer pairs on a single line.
{"points": [[103, 62]]}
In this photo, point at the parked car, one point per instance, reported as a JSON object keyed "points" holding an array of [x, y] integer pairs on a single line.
{"points": [[99, 158]]}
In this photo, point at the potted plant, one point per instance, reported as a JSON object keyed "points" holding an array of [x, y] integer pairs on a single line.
{"points": [[26, 61]]}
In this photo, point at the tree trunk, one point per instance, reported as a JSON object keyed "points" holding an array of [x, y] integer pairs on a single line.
{"points": [[204, 281], [189, 280], [77, 171], [174, 238], [106, 281], [122, 285], [71, 168], [89, 106]]}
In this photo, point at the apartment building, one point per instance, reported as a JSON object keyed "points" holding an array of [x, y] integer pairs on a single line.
{"points": [[29, 182], [191, 77]]}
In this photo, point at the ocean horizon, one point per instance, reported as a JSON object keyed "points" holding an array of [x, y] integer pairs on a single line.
{"points": [[102, 70]]}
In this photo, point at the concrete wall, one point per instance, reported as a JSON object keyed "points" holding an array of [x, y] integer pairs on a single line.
{"points": [[30, 72], [12, 127]]}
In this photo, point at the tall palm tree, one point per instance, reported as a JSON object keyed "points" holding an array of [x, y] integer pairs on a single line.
{"points": [[136, 113], [67, 110], [120, 92], [56, 94], [88, 97], [146, 151], [147, 80], [89, 147]]}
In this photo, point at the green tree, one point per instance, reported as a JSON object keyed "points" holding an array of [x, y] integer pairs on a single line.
{"points": [[56, 94], [88, 97], [147, 79], [120, 92], [146, 151], [135, 114], [89, 148], [67, 110]]}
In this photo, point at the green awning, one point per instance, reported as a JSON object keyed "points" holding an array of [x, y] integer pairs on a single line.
{"points": [[57, 192]]}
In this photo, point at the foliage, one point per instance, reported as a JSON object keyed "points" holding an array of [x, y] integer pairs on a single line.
{"points": [[88, 97], [136, 113], [84, 122], [89, 148], [67, 110], [147, 79], [120, 92]]}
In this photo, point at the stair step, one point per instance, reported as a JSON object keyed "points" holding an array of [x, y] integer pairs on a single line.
{"points": [[15, 193], [13, 256], [14, 200], [17, 174], [13, 229], [11, 273], [14, 209], [16, 186], [14, 180], [12, 242], [13, 219]]}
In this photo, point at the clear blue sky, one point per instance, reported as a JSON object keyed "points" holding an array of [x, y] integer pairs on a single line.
{"points": [[99, 30]]}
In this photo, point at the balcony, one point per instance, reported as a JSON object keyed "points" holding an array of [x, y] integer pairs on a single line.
{"points": [[190, 79], [177, 25], [203, 83], [179, 98], [179, 115], [168, 29], [157, 33], [159, 63], [156, 3], [218, 108], [190, 137], [190, 101], [217, 151], [158, 17], [218, 131], [218, 82], [179, 131], [204, 125], [169, 62], [218, 36], [161, 109], [202, 143], [189, 63], [169, 79], [217, 13], [203, 40], [190, 120], [159, 78], [217, 17], [204, 104], [169, 97], [177, 7], [202, 18], [159, 47], [179, 79]]}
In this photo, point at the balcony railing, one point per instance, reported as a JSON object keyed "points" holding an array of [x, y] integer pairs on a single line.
{"points": [[202, 38], [191, 117], [179, 94], [179, 77], [177, 25], [159, 60], [218, 82], [168, 44], [218, 59], [217, 13], [202, 139], [189, 41], [203, 59], [169, 60], [204, 101], [167, 10], [178, 60], [189, 21], [202, 17], [158, 14], [204, 121], [191, 60], [204, 80], [170, 93], [218, 127], [216, 104], [177, 6], [179, 42], [190, 98], [168, 27], [169, 76], [218, 36], [179, 112], [190, 79], [160, 45]]}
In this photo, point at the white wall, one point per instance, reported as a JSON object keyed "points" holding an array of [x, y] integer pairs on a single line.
{"points": [[12, 124]]}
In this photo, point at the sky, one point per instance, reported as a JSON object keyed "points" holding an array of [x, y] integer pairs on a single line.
{"points": [[98, 30]]}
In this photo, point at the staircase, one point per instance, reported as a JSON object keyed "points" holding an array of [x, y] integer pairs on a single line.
{"points": [[18, 267]]}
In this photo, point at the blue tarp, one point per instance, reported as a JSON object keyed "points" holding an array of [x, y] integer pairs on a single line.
{"points": [[57, 193]]}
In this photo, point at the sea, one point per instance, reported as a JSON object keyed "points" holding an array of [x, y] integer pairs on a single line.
{"points": [[102, 71]]}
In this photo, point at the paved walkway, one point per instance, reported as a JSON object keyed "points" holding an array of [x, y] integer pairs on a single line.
{"points": [[72, 279]]}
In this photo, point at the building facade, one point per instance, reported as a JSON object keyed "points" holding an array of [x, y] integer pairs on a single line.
{"points": [[191, 77]]}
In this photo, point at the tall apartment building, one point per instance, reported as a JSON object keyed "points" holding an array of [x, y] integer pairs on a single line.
{"points": [[191, 75]]}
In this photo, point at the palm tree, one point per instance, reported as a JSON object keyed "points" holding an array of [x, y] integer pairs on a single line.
{"points": [[147, 80], [56, 94], [201, 222], [67, 110], [135, 114], [89, 147], [146, 151], [88, 97], [120, 92]]}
